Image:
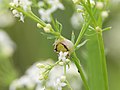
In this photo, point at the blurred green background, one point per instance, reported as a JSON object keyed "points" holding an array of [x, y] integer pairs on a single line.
{"points": [[32, 46]]}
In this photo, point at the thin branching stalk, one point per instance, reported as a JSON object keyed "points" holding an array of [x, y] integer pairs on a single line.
{"points": [[80, 70]]}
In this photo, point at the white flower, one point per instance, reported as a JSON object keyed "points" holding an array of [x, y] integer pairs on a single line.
{"points": [[18, 14], [15, 2], [99, 5], [45, 14], [21, 17], [14, 85], [33, 72], [72, 77], [56, 79], [77, 20], [30, 79], [25, 4], [59, 84], [56, 4], [6, 44], [23, 81], [39, 87], [62, 56], [26, 81], [40, 3]]}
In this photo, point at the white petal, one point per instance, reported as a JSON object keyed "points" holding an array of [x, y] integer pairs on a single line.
{"points": [[63, 84]]}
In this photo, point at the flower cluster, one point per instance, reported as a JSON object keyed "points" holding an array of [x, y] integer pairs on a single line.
{"points": [[23, 4], [55, 81], [80, 17], [29, 80], [45, 12]]}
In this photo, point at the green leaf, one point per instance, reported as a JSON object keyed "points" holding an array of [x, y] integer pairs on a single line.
{"points": [[82, 44], [73, 37], [48, 35], [96, 64], [51, 37], [106, 29], [59, 26]]}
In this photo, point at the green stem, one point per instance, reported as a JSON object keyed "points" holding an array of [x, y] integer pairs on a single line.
{"points": [[102, 53], [81, 34], [68, 84], [89, 12], [31, 15], [80, 70], [65, 69]]}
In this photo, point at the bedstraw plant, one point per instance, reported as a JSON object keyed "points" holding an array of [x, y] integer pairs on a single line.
{"points": [[93, 12]]}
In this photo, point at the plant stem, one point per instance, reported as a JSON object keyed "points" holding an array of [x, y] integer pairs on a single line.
{"points": [[102, 52], [80, 70], [68, 84], [30, 15], [65, 69], [88, 9]]}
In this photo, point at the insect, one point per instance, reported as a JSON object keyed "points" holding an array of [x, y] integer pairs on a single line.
{"points": [[63, 45]]}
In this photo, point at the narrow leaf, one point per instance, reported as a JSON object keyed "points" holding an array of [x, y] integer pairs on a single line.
{"points": [[73, 37], [96, 63], [82, 44]]}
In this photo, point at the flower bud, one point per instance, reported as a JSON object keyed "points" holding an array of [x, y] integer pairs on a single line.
{"points": [[39, 25], [104, 14], [67, 61], [39, 65], [63, 78], [64, 45], [61, 63], [99, 5], [47, 28], [98, 29]]}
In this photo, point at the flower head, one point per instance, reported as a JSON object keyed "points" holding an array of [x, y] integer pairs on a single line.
{"points": [[24, 4], [18, 14]]}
